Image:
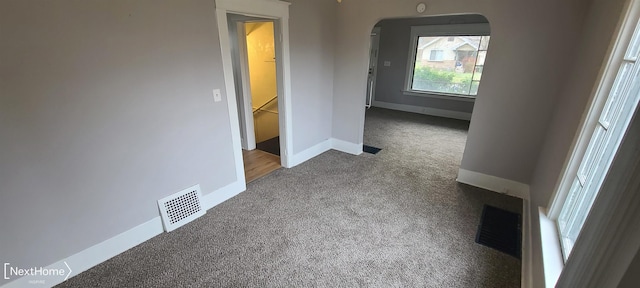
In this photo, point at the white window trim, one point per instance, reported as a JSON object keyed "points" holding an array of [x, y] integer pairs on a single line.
{"points": [[552, 261], [596, 239], [610, 238], [457, 97], [477, 29]]}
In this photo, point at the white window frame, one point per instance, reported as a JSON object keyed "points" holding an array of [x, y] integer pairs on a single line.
{"points": [[475, 29], [609, 239], [592, 116]]}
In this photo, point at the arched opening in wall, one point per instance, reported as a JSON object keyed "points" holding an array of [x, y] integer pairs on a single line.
{"points": [[424, 77]]}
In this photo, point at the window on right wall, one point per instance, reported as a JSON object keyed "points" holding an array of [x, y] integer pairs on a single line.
{"points": [[447, 59], [604, 128]]}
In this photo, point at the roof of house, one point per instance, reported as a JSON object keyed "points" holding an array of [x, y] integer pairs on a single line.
{"points": [[454, 45]]}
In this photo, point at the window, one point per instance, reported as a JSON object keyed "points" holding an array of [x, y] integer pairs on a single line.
{"points": [[447, 59], [436, 55], [606, 124]]}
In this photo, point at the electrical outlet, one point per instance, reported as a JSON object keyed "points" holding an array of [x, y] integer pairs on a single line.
{"points": [[217, 97], [387, 63]]}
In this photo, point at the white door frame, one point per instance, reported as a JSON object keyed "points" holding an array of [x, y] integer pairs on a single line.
{"points": [[279, 12], [242, 84], [373, 67]]}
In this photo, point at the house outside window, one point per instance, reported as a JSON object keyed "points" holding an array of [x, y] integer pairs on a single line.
{"points": [[447, 59]]}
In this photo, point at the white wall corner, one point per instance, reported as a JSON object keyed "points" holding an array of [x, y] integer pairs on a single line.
{"points": [[122, 242], [310, 152], [346, 147], [526, 280], [423, 110], [493, 183]]}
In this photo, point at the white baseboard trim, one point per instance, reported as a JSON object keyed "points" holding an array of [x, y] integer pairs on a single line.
{"points": [[95, 255], [310, 152], [493, 183], [223, 194], [109, 248], [515, 189], [526, 280], [346, 147], [423, 110]]}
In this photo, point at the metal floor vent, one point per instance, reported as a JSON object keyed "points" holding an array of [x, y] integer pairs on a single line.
{"points": [[181, 208], [501, 230]]}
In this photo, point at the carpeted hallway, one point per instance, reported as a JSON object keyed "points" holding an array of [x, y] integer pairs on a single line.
{"points": [[394, 219]]}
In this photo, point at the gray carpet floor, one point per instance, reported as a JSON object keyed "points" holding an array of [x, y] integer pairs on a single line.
{"points": [[394, 219]]}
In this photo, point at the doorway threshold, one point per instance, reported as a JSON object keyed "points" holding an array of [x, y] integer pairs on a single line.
{"points": [[258, 164]]}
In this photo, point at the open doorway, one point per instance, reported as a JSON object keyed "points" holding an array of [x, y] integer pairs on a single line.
{"points": [[278, 13], [255, 69], [261, 62]]}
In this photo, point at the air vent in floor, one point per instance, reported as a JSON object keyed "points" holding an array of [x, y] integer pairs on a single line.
{"points": [[181, 208], [370, 149], [501, 230]]}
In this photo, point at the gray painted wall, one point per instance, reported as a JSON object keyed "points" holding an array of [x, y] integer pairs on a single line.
{"points": [[395, 37], [632, 276], [595, 38], [106, 107], [312, 28]]}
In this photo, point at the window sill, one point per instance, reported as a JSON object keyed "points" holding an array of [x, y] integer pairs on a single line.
{"points": [[552, 260], [440, 95]]}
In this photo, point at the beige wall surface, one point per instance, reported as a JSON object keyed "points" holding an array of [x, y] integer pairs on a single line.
{"points": [[262, 73], [262, 65]]}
